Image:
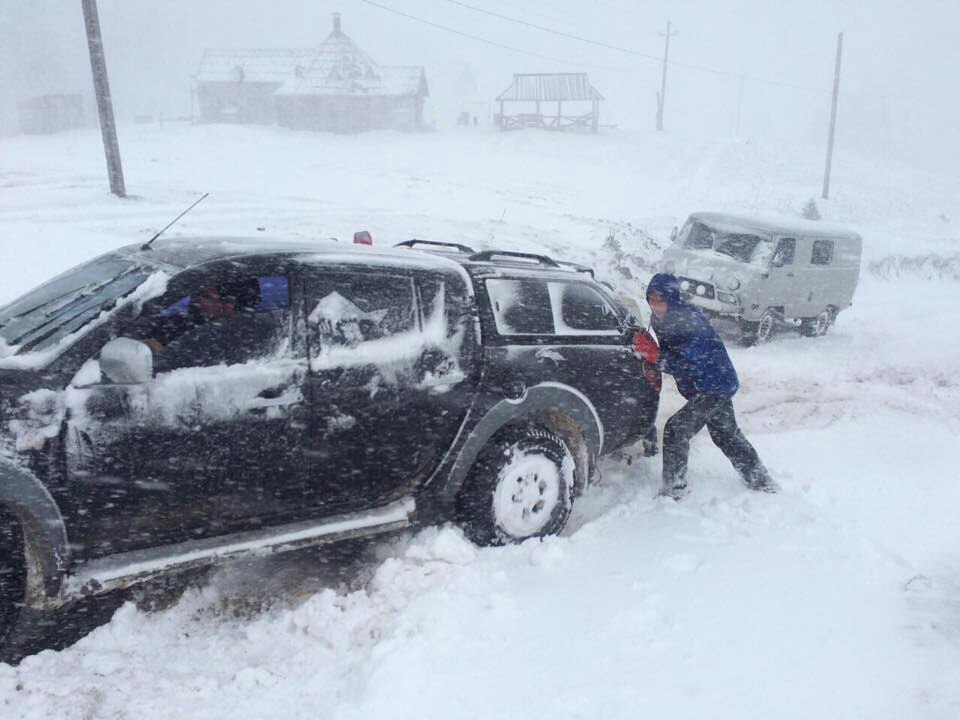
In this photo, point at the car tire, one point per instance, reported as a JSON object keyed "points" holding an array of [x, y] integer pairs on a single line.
{"points": [[521, 486], [13, 572], [818, 326]]}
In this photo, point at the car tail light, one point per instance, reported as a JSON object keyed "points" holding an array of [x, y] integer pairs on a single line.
{"points": [[362, 237]]}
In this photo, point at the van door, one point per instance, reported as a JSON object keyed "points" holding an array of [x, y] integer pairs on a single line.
{"points": [[823, 278], [781, 288]]}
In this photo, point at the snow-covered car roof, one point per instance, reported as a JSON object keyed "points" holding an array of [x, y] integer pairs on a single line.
{"points": [[186, 252], [776, 224]]}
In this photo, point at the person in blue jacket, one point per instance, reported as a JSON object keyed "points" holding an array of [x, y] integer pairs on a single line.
{"points": [[691, 351]]}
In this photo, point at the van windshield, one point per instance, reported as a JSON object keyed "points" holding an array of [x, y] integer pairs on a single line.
{"points": [[44, 316], [743, 247]]}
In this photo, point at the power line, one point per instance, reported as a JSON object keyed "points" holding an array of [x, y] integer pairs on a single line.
{"points": [[628, 51], [476, 37]]}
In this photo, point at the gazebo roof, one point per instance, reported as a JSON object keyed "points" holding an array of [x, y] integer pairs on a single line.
{"points": [[551, 86]]}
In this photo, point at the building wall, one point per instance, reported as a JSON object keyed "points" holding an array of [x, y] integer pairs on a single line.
{"points": [[348, 113], [240, 102], [50, 114]]}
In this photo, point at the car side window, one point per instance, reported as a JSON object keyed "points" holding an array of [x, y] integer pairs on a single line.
{"points": [[581, 310], [345, 310], [822, 253], [785, 252], [240, 319], [521, 306]]}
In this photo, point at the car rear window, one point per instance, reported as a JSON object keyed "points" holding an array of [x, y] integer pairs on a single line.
{"points": [[581, 310], [521, 306], [527, 306]]}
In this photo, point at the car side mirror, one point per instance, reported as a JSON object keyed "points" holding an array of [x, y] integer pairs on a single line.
{"points": [[674, 233], [777, 260], [125, 361]]}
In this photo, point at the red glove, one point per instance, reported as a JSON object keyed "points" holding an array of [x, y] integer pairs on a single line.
{"points": [[646, 348]]}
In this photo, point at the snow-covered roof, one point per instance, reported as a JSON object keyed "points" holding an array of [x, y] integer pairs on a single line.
{"points": [[773, 224], [337, 67], [551, 86], [253, 66]]}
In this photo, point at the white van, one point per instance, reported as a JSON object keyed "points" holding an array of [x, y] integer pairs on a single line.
{"points": [[765, 272]]}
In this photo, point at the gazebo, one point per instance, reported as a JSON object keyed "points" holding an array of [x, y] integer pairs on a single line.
{"points": [[559, 88]]}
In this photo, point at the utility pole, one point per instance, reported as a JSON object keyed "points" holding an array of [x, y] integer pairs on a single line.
{"points": [[101, 86], [661, 96], [833, 118]]}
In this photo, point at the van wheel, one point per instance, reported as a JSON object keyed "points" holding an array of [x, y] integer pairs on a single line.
{"points": [[760, 332], [815, 327], [13, 572], [521, 486]]}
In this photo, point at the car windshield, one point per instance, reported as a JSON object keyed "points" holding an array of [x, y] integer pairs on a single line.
{"points": [[42, 317], [742, 247]]}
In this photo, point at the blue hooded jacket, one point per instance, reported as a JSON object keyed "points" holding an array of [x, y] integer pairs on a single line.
{"points": [[690, 348]]}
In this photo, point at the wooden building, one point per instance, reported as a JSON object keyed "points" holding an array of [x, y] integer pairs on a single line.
{"points": [[533, 97], [47, 114], [335, 87]]}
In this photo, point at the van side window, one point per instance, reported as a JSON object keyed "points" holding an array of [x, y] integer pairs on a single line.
{"points": [[822, 252], [786, 249]]}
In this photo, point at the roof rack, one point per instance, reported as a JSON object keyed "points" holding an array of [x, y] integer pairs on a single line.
{"points": [[578, 267], [457, 246], [490, 254]]}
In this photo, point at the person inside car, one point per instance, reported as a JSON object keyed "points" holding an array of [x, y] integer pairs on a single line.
{"points": [[692, 351], [214, 303]]}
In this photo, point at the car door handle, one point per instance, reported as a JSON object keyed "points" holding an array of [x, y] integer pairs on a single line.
{"points": [[272, 393], [276, 397], [789, 274]]}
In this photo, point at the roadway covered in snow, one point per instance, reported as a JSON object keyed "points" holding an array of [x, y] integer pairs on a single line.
{"points": [[839, 597]]}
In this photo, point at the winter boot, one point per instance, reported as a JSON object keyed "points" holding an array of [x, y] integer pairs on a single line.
{"points": [[674, 489], [759, 480]]}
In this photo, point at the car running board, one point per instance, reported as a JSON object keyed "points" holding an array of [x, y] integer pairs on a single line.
{"points": [[126, 569]]}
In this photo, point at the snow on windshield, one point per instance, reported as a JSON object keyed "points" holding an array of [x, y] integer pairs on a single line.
{"points": [[742, 246], [35, 347]]}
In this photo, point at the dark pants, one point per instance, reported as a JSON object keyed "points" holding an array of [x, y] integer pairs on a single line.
{"points": [[717, 414]]}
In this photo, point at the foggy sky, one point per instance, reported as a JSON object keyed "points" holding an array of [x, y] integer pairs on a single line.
{"points": [[898, 99]]}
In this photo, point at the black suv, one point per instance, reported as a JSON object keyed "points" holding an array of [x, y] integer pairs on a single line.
{"points": [[170, 407]]}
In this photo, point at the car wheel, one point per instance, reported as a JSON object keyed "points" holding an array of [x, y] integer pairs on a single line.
{"points": [[13, 572], [521, 486], [815, 327]]}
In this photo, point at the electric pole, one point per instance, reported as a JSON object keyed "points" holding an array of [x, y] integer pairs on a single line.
{"points": [[101, 86], [661, 96], [833, 118]]}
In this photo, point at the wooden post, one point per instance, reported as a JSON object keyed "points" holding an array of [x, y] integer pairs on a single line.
{"points": [[101, 85], [833, 118]]}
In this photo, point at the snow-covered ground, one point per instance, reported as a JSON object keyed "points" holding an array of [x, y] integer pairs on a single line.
{"points": [[838, 598]]}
